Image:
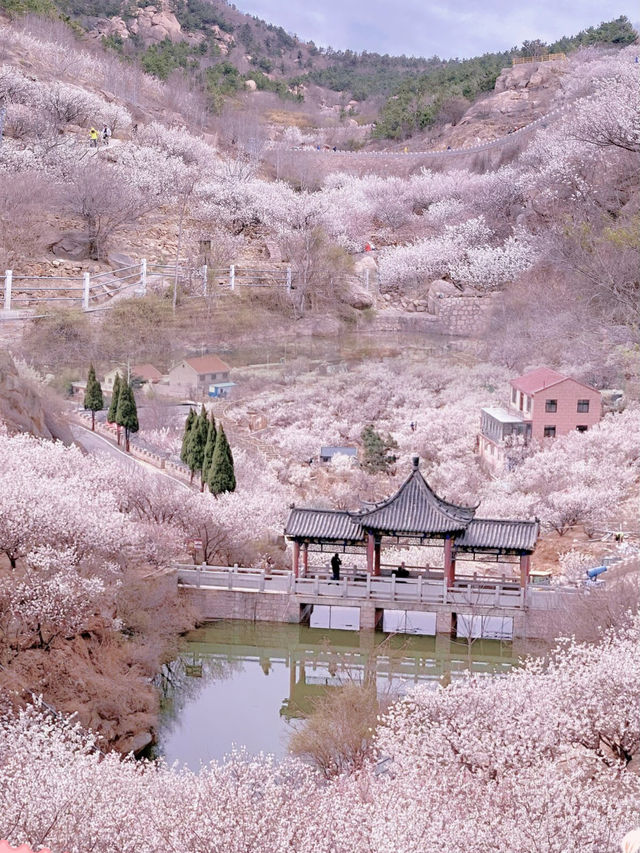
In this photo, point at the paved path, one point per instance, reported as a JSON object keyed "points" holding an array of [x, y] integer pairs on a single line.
{"points": [[93, 442]]}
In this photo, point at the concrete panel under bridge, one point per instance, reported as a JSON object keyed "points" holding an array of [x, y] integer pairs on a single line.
{"points": [[221, 592]]}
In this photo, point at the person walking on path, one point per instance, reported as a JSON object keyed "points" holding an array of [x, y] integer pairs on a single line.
{"points": [[336, 562], [93, 136], [106, 134]]}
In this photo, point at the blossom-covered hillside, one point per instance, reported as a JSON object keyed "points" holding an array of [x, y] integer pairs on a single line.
{"points": [[554, 226]]}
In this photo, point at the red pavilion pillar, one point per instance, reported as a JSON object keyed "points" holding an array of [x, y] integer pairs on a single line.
{"points": [[370, 553], [525, 568], [449, 561], [376, 556], [305, 559], [295, 567]]}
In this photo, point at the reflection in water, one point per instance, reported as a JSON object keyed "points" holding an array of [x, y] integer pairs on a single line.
{"points": [[246, 683], [329, 351]]}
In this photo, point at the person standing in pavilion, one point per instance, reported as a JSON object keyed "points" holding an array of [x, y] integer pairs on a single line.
{"points": [[336, 562]]}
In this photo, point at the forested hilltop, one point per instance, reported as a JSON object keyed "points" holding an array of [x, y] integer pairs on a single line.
{"points": [[228, 55]]}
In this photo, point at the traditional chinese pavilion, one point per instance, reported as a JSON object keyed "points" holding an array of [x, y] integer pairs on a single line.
{"points": [[414, 515]]}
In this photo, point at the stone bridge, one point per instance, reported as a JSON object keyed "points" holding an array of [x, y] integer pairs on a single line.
{"points": [[473, 606]]}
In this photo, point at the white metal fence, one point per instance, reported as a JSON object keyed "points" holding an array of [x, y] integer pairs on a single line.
{"points": [[29, 294]]}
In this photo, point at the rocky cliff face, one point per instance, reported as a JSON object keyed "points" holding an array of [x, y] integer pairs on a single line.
{"points": [[521, 95], [22, 409], [153, 24]]}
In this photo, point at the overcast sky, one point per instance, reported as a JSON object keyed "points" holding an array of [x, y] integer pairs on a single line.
{"points": [[448, 28]]}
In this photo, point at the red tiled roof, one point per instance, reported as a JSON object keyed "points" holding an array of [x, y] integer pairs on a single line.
{"points": [[536, 380], [147, 372], [544, 377], [207, 364]]}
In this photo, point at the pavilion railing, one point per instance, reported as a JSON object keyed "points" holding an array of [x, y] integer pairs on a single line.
{"points": [[479, 592]]}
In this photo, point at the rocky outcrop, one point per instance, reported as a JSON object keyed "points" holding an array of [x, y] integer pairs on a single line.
{"points": [[21, 408], [154, 24], [521, 95], [114, 26], [530, 75]]}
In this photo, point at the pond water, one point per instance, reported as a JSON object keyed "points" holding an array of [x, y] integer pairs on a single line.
{"points": [[347, 346], [249, 684]]}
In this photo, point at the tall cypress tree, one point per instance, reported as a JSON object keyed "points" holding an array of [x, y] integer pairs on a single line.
{"points": [[93, 398], [185, 435], [222, 477], [196, 444], [127, 413], [113, 406], [208, 449]]}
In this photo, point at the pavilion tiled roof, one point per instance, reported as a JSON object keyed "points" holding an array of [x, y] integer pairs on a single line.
{"points": [[327, 525], [415, 509], [500, 534]]}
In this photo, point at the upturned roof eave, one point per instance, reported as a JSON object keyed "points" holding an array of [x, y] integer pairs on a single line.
{"points": [[437, 502]]}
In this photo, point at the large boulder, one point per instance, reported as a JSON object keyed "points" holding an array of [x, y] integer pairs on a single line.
{"points": [[118, 260], [114, 26], [358, 298], [154, 25], [441, 288], [73, 245]]}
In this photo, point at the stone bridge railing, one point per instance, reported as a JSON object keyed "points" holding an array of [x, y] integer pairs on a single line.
{"points": [[480, 592]]}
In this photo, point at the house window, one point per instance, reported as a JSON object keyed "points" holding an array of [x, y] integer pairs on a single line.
{"points": [[527, 403], [549, 432], [582, 427], [514, 396], [551, 405], [583, 405], [521, 401]]}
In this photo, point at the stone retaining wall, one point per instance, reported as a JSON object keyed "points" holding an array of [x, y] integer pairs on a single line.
{"points": [[462, 314], [210, 604], [251, 606]]}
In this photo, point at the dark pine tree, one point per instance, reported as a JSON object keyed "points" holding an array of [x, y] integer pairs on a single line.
{"points": [[113, 406], [376, 450], [185, 435], [127, 414], [197, 442], [208, 449], [222, 477], [93, 398]]}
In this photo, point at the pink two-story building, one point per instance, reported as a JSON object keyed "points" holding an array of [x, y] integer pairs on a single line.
{"points": [[543, 404]]}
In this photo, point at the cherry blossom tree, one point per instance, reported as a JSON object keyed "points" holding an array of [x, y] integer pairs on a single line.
{"points": [[52, 599], [535, 760], [53, 495]]}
